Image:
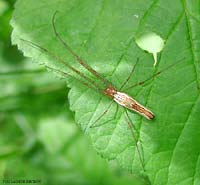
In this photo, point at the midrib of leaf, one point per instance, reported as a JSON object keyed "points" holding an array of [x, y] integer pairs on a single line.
{"points": [[189, 27]]}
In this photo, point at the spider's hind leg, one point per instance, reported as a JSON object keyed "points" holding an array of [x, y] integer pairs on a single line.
{"points": [[138, 144]]}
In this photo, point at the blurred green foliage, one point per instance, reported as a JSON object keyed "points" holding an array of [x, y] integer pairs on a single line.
{"points": [[39, 138]]}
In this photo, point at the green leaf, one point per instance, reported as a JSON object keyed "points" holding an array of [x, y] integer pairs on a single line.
{"points": [[2, 168], [103, 33]]}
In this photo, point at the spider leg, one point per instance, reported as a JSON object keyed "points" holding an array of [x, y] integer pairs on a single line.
{"points": [[156, 74], [129, 76], [99, 118], [139, 150]]}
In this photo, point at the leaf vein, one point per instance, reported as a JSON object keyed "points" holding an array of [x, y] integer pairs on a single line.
{"points": [[196, 168], [96, 21], [188, 117], [148, 11], [195, 59]]}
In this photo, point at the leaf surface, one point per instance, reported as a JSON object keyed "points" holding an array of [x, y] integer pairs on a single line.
{"points": [[103, 33]]}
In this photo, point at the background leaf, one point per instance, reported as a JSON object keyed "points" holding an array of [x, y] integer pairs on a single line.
{"points": [[103, 33], [39, 139]]}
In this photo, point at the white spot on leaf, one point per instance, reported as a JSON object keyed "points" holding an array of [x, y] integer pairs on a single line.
{"points": [[136, 16], [152, 43]]}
